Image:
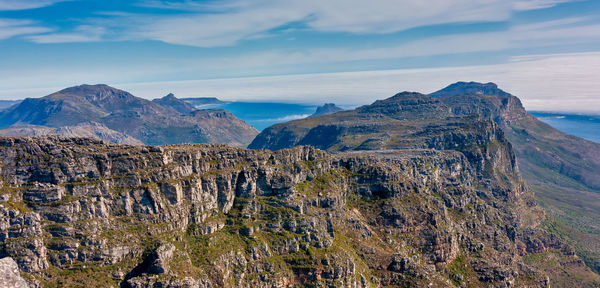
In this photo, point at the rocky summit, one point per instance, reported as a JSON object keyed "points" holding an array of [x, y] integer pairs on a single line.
{"points": [[167, 120]]}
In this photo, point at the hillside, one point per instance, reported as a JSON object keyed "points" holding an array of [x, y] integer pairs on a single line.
{"points": [[146, 121], [7, 103], [78, 212]]}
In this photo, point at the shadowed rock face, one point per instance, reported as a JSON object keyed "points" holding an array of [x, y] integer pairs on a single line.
{"points": [[213, 216], [146, 121], [7, 103]]}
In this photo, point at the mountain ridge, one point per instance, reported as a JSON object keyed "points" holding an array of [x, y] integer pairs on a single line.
{"points": [[118, 110]]}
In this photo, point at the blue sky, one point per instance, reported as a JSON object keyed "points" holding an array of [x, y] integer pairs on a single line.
{"points": [[304, 50]]}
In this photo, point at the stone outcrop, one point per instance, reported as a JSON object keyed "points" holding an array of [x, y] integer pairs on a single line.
{"points": [[9, 274]]}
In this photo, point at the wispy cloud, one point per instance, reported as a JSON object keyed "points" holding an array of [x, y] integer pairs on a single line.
{"points": [[516, 37], [228, 22], [240, 20], [560, 82], [11, 27], [7, 5], [536, 4], [83, 33]]}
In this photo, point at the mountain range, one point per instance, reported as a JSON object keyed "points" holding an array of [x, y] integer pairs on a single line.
{"points": [[414, 190], [163, 121]]}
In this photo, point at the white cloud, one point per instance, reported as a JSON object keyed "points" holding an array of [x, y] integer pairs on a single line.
{"points": [[83, 33], [11, 27], [536, 4], [520, 36], [238, 20], [562, 82], [6, 5]]}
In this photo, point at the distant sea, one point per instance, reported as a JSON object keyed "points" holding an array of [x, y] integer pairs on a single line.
{"points": [[262, 115], [584, 126]]}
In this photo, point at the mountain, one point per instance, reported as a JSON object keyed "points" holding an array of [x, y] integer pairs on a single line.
{"points": [[173, 102], [561, 169], [327, 108], [7, 103], [88, 130], [203, 101], [149, 122], [406, 120], [80, 212]]}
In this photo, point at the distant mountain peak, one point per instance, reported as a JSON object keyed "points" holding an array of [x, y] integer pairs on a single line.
{"points": [[327, 108], [89, 88], [97, 92], [173, 102], [458, 88], [203, 101], [164, 121]]}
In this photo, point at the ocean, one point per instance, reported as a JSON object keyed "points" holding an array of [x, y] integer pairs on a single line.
{"points": [[584, 126], [262, 115]]}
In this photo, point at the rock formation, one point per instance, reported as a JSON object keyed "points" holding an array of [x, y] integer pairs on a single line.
{"points": [[81, 212]]}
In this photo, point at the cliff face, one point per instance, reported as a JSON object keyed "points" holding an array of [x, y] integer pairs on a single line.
{"points": [[560, 168], [80, 212]]}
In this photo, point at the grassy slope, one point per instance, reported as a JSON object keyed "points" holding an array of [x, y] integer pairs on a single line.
{"points": [[566, 191]]}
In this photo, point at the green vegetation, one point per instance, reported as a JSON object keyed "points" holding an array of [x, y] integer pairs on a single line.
{"points": [[324, 183]]}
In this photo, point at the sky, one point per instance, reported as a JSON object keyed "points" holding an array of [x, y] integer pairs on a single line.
{"points": [[351, 52]]}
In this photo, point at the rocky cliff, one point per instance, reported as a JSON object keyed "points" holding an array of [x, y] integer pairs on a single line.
{"points": [[81, 212], [560, 168]]}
